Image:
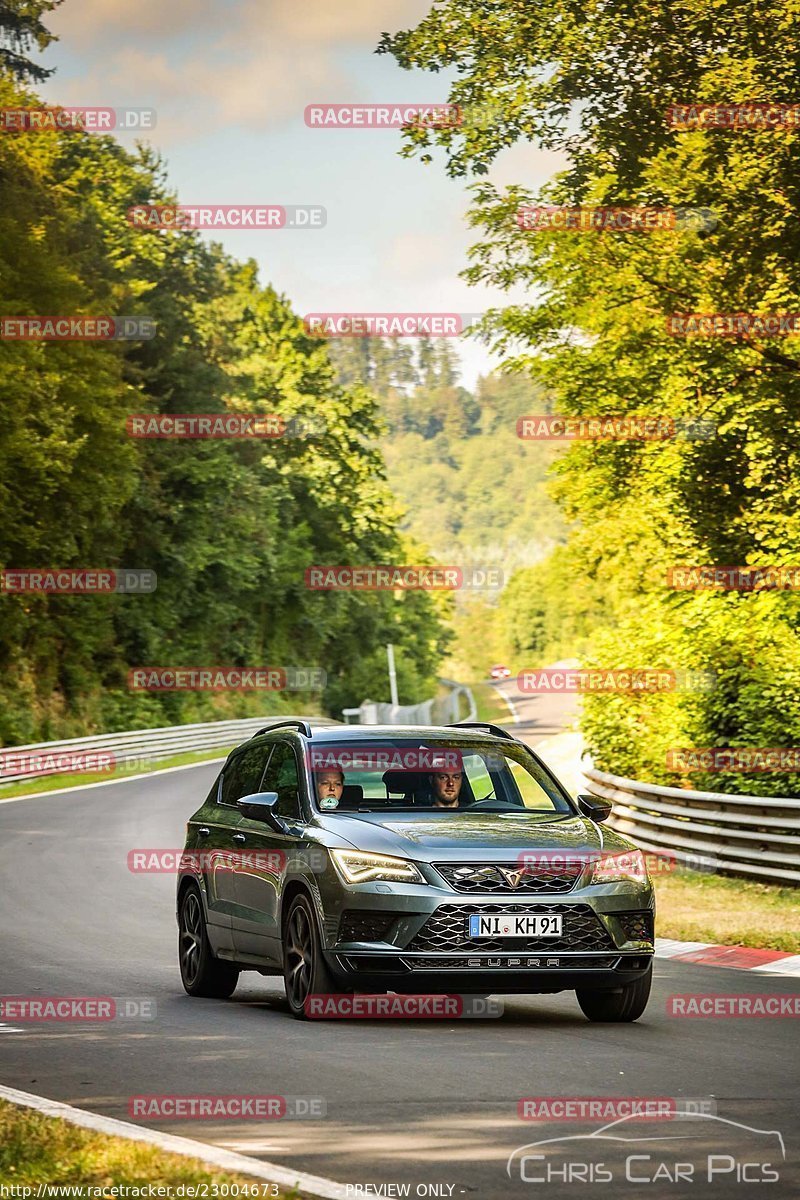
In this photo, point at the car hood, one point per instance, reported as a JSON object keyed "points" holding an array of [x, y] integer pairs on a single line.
{"points": [[470, 837]]}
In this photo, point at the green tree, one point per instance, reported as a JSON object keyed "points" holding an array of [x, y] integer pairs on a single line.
{"points": [[21, 28], [596, 85], [229, 527]]}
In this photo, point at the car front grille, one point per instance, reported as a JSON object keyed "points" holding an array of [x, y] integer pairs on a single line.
{"points": [[637, 926], [363, 925], [448, 929], [508, 878]]}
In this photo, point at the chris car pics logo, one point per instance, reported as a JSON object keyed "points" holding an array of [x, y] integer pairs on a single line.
{"points": [[702, 1148]]}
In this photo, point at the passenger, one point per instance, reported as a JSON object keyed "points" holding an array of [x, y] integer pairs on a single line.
{"points": [[330, 785]]}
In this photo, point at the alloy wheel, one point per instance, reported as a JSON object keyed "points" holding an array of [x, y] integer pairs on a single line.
{"points": [[191, 938], [299, 957]]}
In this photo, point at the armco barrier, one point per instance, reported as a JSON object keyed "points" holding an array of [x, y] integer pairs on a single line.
{"points": [[153, 744], [753, 836], [150, 744]]}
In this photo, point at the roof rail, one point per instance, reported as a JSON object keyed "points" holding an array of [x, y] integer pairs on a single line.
{"points": [[293, 723], [495, 729]]}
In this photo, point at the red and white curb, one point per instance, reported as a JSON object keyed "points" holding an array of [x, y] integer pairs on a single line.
{"points": [[312, 1186], [746, 958]]}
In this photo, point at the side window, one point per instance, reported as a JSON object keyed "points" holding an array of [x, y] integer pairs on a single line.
{"points": [[281, 777], [242, 775]]}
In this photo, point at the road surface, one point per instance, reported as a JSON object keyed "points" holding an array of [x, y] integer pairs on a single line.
{"points": [[420, 1103]]}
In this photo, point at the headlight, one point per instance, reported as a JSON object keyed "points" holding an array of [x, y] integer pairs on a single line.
{"points": [[616, 868], [355, 866]]}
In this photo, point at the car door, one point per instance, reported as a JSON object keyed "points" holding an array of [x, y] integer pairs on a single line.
{"points": [[209, 836], [259, 879], [219, 838]]}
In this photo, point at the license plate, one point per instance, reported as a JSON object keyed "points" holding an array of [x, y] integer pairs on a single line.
{"points": [[512, 925]]}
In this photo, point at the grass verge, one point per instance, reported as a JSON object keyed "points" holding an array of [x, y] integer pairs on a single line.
{"points": [[693, 907], [39, 1149]]}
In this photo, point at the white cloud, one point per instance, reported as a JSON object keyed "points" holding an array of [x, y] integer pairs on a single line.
{"points": [[251, 64], [319, 22]]}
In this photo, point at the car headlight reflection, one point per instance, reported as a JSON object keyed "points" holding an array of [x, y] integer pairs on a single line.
{"points": [[355, 866], [617, 868]]}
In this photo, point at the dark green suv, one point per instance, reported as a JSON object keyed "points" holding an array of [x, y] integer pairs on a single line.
{"points": [[412, 860]]}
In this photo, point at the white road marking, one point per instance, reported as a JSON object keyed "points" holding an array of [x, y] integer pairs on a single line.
{"points": [[512, 706], [206, 762], [668, 947]]}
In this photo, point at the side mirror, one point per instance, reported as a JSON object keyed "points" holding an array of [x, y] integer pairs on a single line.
{"points": [[260, 806], [594, 807]]}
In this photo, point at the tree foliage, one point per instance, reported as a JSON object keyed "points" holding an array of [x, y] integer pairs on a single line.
{"points": [[22, 29], [229, 527], [594, 82]]}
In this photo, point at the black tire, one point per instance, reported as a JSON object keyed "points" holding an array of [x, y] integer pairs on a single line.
{"points": [[305, 972], [201, 973], [627, 1004]]}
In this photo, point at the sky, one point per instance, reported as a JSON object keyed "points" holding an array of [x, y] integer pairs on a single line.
{"points": [[230, 80]]}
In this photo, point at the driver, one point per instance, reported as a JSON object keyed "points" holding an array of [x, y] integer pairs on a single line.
{"points": [[446, 786]]}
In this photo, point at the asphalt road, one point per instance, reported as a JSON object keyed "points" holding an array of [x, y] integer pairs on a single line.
{"points": [[539, 715], [415, 1102]]}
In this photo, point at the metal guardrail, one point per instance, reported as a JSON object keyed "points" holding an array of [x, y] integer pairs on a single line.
{"points": [[439, 710], [134, 746], [752, 836], [143, 747]]}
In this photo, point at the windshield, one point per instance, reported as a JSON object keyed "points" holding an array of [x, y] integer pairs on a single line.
{"points": [[438, 776]]}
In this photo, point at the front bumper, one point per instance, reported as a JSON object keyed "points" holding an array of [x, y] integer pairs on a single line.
{"points": [[415, 938], [367, 972]]}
